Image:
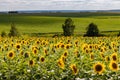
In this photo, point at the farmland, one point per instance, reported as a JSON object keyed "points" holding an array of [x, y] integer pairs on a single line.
{"points": [[59, 58], [51, 23]]}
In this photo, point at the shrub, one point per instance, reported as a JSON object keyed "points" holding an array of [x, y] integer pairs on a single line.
{"points": [[68, 27], [3, 34], [119, 34], [13, 31], [92, 30]]}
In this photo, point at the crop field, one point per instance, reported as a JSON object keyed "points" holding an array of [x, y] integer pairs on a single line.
{"points": [[59, 58], [51, 23], [65, 58]]}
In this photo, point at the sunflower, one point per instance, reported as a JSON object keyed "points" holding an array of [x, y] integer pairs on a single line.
{"points": [[74, 69], [90, 46], [99, 68], [84, 47], [114, 56], [102, 49], [62, 45], [115, 50], [67, 46], [96, 46], [76, 52], [65, 53], [113, 66], [45, 51], [91, 56], [42, 59], [18, 46], [87, 50], [76, 42], [61, 63], [21, 53], [37, 42], [11, 55], [102, 55], [63, 58], [35, 51], [31, 63], [107, 58]]}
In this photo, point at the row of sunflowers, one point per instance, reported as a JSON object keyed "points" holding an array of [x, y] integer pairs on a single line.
{"points": [[60, 58]]}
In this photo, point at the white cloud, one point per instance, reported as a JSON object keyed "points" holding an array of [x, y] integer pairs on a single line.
{"points": [[58, 4]]}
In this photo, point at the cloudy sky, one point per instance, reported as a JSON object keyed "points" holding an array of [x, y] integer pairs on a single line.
{"points": [[6, 5]]}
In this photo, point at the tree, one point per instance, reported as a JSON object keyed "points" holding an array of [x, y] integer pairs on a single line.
{"points": [[68, 27], [119, 34], [3, 34], [92, 30], [13, 31]]}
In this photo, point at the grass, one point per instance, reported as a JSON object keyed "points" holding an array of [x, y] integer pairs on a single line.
{"points": [[46, 23]]}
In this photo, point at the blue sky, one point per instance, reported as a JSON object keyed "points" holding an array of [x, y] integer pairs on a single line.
{"points": [[6, 5]]}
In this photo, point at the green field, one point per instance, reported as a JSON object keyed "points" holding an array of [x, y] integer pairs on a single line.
{"points": [[52, 22]]}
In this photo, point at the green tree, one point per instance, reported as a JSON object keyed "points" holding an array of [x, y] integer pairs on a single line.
{"points": [[119, 34], [3, 34], [68, 27], [92, 30], [13, 31]]}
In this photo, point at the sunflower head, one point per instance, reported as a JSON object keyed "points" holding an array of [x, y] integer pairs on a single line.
{"points": [[113, 66], [61, 64], [98, 68], [11, 55], [102, 55], [45, 51], [91, 56], [18, 46], [114, 56], [74, 69], [65, 53], [42, 59], [35, 51], [31, 63], [107, 58]]}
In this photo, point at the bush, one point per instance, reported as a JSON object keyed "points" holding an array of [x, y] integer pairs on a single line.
{"points": [[68, 27], [92, 30], [13, 31], [119, 34], [3, 34]]}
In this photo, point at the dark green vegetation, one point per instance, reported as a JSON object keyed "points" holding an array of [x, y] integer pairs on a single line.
{"points": [[13, 31], [68, 27], [44, 23], [92, 30]]}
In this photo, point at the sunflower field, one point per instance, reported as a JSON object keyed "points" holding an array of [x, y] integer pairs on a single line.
{"points": [[60, 58]]}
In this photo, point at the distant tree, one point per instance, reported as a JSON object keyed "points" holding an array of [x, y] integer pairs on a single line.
{"points": [[13, 31], [3, 34], [92, 30], [13, 12], [68, 27]]}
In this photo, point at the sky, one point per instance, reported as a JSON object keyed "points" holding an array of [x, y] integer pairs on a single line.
{"points": [[12, 5]]}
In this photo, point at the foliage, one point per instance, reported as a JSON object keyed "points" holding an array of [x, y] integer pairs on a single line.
{"points": [[119, 34], [92, 30], [68, 27], [3, 34], [13, 31]]}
